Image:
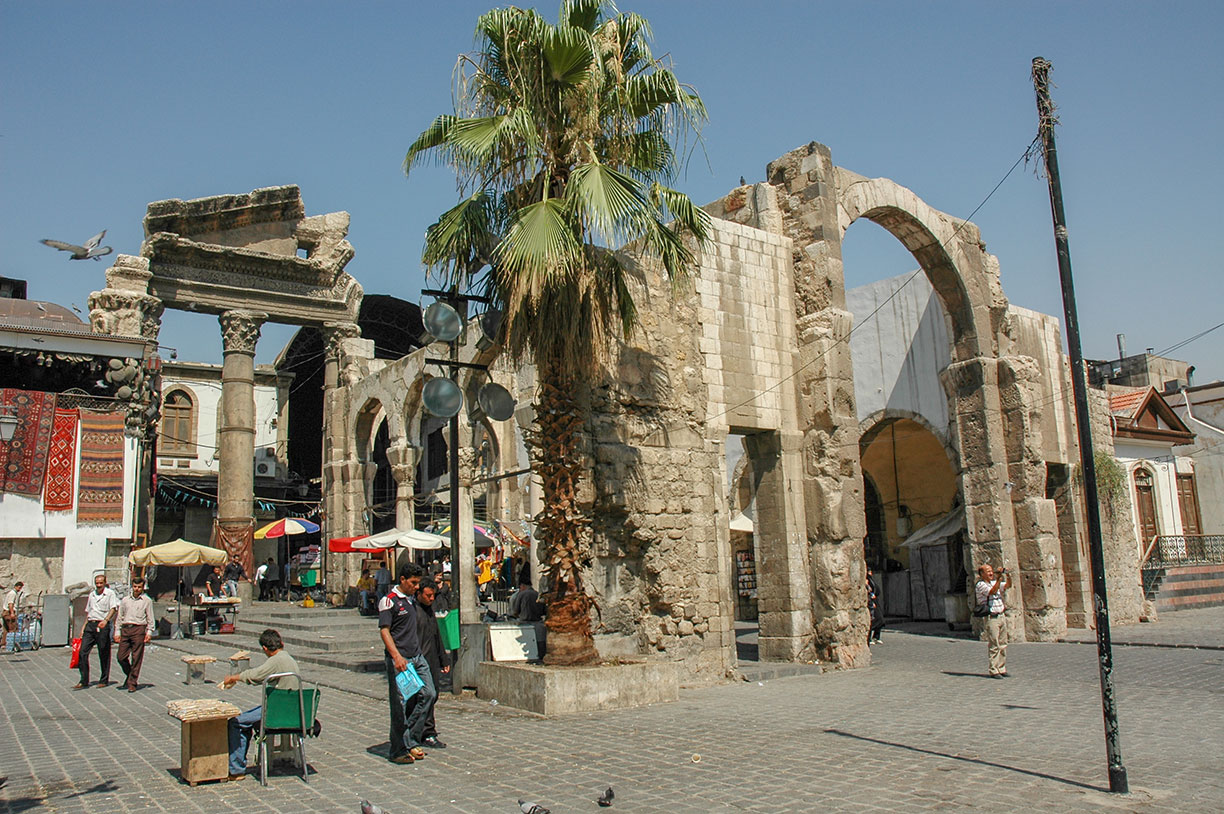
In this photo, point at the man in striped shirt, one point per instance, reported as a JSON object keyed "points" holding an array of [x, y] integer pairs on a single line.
{"points": [[135, 629], [989, 594]]}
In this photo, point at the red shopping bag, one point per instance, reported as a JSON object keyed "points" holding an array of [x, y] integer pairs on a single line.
{"points": [[76, 654]]}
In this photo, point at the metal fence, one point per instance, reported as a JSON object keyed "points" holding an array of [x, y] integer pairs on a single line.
{"points": [[1185, 549]]}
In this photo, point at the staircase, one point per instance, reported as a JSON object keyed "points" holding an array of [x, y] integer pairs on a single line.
{"points": [[1185, 586], [332, 637]]}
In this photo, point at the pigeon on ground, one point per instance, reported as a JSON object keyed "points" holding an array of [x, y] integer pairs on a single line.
{"points": [[369, 808], [605, 799], [90, 251], [532, 808]]}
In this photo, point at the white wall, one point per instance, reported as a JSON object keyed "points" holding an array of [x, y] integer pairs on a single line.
{"points": [[206, 392], [1158, 459], [899, 353], [1206, 421], [22, 517]]}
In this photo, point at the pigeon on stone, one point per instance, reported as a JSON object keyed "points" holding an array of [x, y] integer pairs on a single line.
{"points": [[743, 181], [369, 808], [90, 251], [605, 799], [532, 808]]}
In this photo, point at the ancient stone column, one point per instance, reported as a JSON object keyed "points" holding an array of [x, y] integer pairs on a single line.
{"points": [[403, 457], [336, 521], [236, 481]]}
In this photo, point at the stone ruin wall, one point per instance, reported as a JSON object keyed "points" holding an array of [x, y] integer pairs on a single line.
{"points": [[661, 542]]}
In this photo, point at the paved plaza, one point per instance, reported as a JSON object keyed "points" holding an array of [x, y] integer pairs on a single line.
{"points": [[923, 729]]}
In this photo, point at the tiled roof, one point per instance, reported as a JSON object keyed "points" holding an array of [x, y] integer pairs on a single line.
{"points": [[1124, 405]]}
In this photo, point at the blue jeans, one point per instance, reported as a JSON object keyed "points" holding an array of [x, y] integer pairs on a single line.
{"points": [[408, 718], [240, 730], [364, 602]]}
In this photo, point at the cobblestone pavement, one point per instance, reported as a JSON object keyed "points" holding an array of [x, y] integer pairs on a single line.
{"points": [[1196, 627], [923, 729]]}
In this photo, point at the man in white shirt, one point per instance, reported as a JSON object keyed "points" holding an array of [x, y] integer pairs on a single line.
{"points": [[135, 629], [988, 594], [100, 611], [261, 573], [8, 613]]}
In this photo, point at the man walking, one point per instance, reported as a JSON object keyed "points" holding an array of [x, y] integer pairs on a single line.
{"points": [[100, 610], [8, 613], [397, 624], [242, 726], [988, 594], [435, 655], [135, 630]]}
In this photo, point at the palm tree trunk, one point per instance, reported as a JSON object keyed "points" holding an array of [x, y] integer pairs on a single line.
{"points": [[561, 523]]}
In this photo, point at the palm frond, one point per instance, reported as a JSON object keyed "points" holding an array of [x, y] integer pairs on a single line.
{"points": [[609, 201], [433, 136]]}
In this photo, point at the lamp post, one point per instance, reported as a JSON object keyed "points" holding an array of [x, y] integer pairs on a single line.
{"points": [[444, 321]]}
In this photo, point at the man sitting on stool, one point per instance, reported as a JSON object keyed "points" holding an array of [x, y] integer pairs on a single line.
{"points": [[241, 727]]}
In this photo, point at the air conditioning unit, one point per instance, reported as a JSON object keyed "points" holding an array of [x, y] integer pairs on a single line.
{"points": [[263, 469]]}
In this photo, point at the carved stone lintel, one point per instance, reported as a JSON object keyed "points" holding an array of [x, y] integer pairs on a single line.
{"points": [[125, 313], [240, 331], [334, 333]]}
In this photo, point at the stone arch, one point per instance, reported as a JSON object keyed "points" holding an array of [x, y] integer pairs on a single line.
{"points": [[365, 424], [877, 421]]}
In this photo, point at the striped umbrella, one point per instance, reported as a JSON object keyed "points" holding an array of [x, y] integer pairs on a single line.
{"points": [[286, 525]]}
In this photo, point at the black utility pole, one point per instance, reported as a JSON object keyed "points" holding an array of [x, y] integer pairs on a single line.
{"points": [[453, 465], [1045, 113]]}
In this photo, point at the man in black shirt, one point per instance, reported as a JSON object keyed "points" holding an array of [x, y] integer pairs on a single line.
{"points": [[435, 654], [397, 624], [213, 585]]}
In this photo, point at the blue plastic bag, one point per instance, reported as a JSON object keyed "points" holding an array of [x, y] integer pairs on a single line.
{"points": [[408, 682]]}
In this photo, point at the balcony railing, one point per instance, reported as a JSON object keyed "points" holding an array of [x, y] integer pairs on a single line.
{"points": [[1168, 550]]}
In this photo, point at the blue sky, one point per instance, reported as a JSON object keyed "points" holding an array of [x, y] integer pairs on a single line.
{"points": [[107, 106]]}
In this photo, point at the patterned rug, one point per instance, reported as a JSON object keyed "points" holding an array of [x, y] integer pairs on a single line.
{"points": [[24, 459], [61, 462], [100, 499]]}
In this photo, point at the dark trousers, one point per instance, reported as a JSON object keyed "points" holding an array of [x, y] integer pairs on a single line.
{"points": [[131, 652], [408, 724], [93, 634]]}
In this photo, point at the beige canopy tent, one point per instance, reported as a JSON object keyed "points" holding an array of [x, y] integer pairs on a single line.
{"points": [[178, 553]]}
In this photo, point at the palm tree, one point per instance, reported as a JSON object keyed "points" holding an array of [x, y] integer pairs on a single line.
{"points": [[562, 140]]}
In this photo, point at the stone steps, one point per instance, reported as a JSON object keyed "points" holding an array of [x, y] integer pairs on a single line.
{"points": [[332, 637], [1190, 586]]}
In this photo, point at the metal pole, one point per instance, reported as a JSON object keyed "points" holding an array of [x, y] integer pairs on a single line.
{"points": [[1113, 745], [456, 605]]}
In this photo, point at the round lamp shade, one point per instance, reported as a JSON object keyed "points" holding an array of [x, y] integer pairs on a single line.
{"points": [[496, 401], [442, 397], [442, 322], [490, 324]]}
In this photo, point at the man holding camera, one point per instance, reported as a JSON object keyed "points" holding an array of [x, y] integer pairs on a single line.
{"points": [[989, 594]]}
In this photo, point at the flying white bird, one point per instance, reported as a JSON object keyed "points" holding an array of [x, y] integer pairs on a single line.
{"points": [[90, 251]]}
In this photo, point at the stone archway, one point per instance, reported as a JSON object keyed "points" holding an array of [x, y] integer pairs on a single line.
{"points": [[990, 393]]}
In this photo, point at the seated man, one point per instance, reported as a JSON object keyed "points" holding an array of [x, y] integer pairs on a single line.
{"points": [[365, 592], [241, 727]]}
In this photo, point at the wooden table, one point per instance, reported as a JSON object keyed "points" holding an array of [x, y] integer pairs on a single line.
{"points": [[204, 740]]}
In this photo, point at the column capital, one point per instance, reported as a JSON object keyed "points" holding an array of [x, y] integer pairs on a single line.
{"points": [[240, 331], [336, 332]]}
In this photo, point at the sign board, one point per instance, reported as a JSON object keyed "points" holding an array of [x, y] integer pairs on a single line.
{"points": [[512, 642]]}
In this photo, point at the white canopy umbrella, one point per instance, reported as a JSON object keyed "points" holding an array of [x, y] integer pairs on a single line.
{"points": [[404, 538], [741, 522]]}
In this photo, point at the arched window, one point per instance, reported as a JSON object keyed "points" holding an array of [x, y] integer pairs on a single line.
{"points": [[177, 435]]}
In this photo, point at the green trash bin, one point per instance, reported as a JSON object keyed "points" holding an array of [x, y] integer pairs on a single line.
{"points": [[448, 626], [308, 578]]}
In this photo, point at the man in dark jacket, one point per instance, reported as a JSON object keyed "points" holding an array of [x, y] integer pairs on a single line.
{"points": [[434, 653]]}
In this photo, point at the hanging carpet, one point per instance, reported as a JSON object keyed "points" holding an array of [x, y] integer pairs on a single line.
{"points": [[100, 499], [23, 460], [61, 462]]}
